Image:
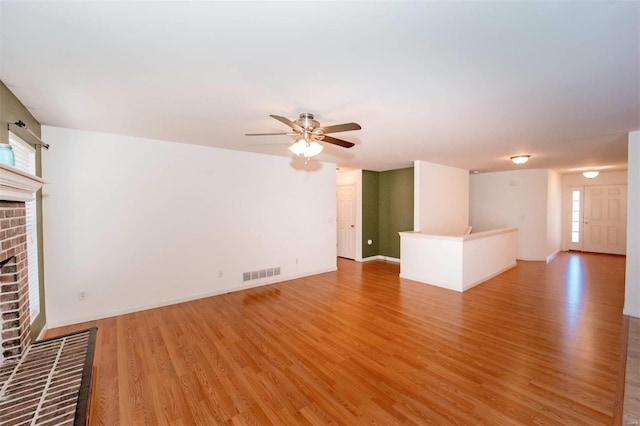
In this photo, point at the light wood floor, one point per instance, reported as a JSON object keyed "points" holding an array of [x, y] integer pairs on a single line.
{"points": [[632, 388], [539, 344]]}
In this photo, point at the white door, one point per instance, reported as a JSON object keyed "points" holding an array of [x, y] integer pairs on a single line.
{"points": [[347, 221], [605, 219]]}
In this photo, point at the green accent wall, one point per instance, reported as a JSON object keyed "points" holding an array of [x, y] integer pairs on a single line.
{"points": [[12, 110], [392, 192], [370, 213], [396, 209]]}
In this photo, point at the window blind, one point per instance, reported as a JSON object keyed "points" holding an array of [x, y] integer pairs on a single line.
{"points": [[26, 161]]}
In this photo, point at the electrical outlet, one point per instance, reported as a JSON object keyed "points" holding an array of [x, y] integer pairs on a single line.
{"points": [[82, 295]]}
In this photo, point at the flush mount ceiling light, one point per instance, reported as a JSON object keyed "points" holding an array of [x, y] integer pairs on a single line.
{"points": [[590, 174], [306, 148], [520, 159]]}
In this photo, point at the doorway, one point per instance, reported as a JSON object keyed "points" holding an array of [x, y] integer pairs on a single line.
{"points": [[598, 219], [346, 221]]}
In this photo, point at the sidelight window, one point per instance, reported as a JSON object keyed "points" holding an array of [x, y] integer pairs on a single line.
{"points": [[575, 216]]}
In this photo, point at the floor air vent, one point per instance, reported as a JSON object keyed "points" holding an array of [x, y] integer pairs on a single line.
{"points": [[262, 273]]}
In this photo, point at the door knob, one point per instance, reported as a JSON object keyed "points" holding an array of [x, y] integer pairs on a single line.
{"points": [[352, 226]]}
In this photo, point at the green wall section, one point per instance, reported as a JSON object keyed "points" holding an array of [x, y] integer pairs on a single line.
{"points": [[12, 110], [396, 209], [392, 192], [370, 213]]}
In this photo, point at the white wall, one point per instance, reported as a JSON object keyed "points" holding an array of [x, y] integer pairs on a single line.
{"points": [[432, 259], [487, 254], [554, 212], [513, 199], [457, 262], [354, 177], [632, 286], [441, 200], [604, 178], [136, 223]]}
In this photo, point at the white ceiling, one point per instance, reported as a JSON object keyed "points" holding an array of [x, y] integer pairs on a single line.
{"points": [[465, 84]]}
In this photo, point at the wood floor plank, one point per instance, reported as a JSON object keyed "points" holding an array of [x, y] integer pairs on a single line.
{"points": [[538, 344]]}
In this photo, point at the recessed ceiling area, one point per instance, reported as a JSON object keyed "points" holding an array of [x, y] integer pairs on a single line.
{"points": [[465, 84]]}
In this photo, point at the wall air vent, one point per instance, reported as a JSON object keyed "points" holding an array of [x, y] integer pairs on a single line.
{"points": [[261, 273]]}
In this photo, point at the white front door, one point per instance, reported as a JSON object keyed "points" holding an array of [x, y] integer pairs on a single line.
{"points": [[347, 221], [605, 219]]}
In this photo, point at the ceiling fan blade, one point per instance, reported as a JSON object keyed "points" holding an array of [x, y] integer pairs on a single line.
{"points": [[269, 134], [288, 122], [338, 142], [341, 128]]}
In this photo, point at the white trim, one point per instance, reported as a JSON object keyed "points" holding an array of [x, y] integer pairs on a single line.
{"points": [[544, 259], [444, 285], [467, 287], [380, 257], [16, 185], [42, 332], [448, 286], [465, 237], [370, 258], [552, 256], [532, 259], [54, 324]]}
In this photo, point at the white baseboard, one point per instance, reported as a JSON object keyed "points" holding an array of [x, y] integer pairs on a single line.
{"points": [[117, 312], [467, 287], [552, 256], [419, 280], [380, 257], [631, 312], [454, 288], [370, 258], [540, 259], [42, 332]]}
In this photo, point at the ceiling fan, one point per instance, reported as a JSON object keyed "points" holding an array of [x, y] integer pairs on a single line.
{"points": [[308, 133]]}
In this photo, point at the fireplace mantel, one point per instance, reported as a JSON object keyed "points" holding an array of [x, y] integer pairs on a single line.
{"points": [[16, 185]]}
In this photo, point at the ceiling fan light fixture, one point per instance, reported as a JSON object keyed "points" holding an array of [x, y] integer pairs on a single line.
{"points": [[520, 159], [306, 149], [590, 174], [308, 131]]}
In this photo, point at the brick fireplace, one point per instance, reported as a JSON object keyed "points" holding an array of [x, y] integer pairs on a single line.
{"points": [[16, 188], [14, 288], [48, 382]]}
